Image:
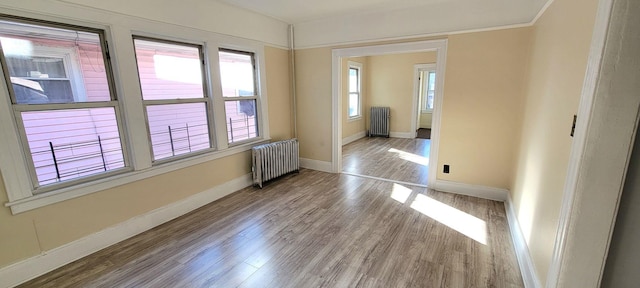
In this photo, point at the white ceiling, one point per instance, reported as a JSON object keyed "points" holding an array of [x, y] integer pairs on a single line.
{"points": [[299, 11]]}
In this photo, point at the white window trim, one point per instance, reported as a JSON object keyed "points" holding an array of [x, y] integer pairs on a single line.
{"points": [[424, 68], [13, 163], [261, 94], [206, 99], [359, 66]]}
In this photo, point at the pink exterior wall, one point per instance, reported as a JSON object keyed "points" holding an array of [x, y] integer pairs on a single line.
{"points": [[74, 133]]}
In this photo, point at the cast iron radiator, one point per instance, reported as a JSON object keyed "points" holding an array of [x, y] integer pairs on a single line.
{"points": [[274, 160], [379, 125]]}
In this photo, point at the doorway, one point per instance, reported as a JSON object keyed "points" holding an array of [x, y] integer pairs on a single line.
{"points": [[338, 55]]}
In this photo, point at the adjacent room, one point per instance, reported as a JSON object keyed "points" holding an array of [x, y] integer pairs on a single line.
{"points": [[366, 143]]}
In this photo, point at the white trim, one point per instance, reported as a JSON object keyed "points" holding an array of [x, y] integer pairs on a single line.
{"points": [[418, 107], [318, 165], [59, 195], [600, 152], [358, 66], [30, 268], [485, 192], [440, 46], [413, 36], [525, 261], [541, 12], [354, 137], [405, 135]]}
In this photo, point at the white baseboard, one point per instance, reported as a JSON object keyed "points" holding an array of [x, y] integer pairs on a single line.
{"points": [[323, 166], [30, 268], [406, 135], [354, 137], [484, 192], [527, 269]]}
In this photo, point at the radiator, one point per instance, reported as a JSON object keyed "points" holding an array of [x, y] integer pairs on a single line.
{"points": [[275, 159], [379, 121]]}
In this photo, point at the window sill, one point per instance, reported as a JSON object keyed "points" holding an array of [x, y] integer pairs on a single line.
{"points": [[356, 118], [71, 192]]}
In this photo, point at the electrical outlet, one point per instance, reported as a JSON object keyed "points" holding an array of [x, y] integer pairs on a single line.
{"points": [[446, 169]]}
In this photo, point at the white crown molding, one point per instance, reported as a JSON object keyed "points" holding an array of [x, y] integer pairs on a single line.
{"points": [[30, 268]]}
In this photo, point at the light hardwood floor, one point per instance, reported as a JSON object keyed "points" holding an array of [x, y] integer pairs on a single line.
{"points": [[313, 229], [396, 159]]}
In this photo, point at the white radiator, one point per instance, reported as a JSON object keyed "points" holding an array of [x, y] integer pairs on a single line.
{"points": [[379, 121], [274, 160]]}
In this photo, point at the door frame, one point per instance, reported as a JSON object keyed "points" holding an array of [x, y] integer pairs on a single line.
{"points": [[417, 103], [439, 46]]}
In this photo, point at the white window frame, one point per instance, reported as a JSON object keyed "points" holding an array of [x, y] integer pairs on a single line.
{"points": [[359, 67], [206, 99], [423, 85], [15, 110], [13, 160], [258, 93], [70, 60]]}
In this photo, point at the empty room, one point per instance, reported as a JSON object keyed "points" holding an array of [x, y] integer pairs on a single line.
{"points": [[368, 143]]}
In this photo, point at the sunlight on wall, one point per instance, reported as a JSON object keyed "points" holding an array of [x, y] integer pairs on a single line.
{"points": [[455, 219], [528, 197], [400, 193], [411, 157]]}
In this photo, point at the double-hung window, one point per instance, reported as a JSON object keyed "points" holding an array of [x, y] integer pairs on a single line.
{"points": [[428, 88], [174, 96], [355, 88], [240, 93], [63, 102]]}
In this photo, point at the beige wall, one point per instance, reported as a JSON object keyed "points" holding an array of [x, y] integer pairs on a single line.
{"points": [[482, 106], [560, 47], [352, 127], [31, 233], [279, 93], [391, 84], [313, 99], [425, 119]]}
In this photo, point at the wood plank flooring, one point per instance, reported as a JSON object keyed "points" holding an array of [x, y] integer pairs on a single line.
{"points": [[396, 159], [312, 229]]}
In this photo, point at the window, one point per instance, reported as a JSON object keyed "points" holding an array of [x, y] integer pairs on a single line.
{"points": [[62, 100], [427, 88], [240, 93], [355, 87], [174, 95]]}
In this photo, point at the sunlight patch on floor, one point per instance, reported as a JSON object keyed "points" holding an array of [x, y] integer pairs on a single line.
{"points": [[455, 219], [411, 157], [400, 193]]}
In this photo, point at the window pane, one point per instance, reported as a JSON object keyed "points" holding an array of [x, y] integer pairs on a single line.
{"points": [[169, 71], [353, 105], [353, 80], [237, 74], [241, 120], [432, 81], [430, 95], [68, 144], [178, 129], [53, 65]]}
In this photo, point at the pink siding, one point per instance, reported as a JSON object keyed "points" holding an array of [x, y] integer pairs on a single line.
{"points": [[155, 88], [74, 134], [188, 122]]}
